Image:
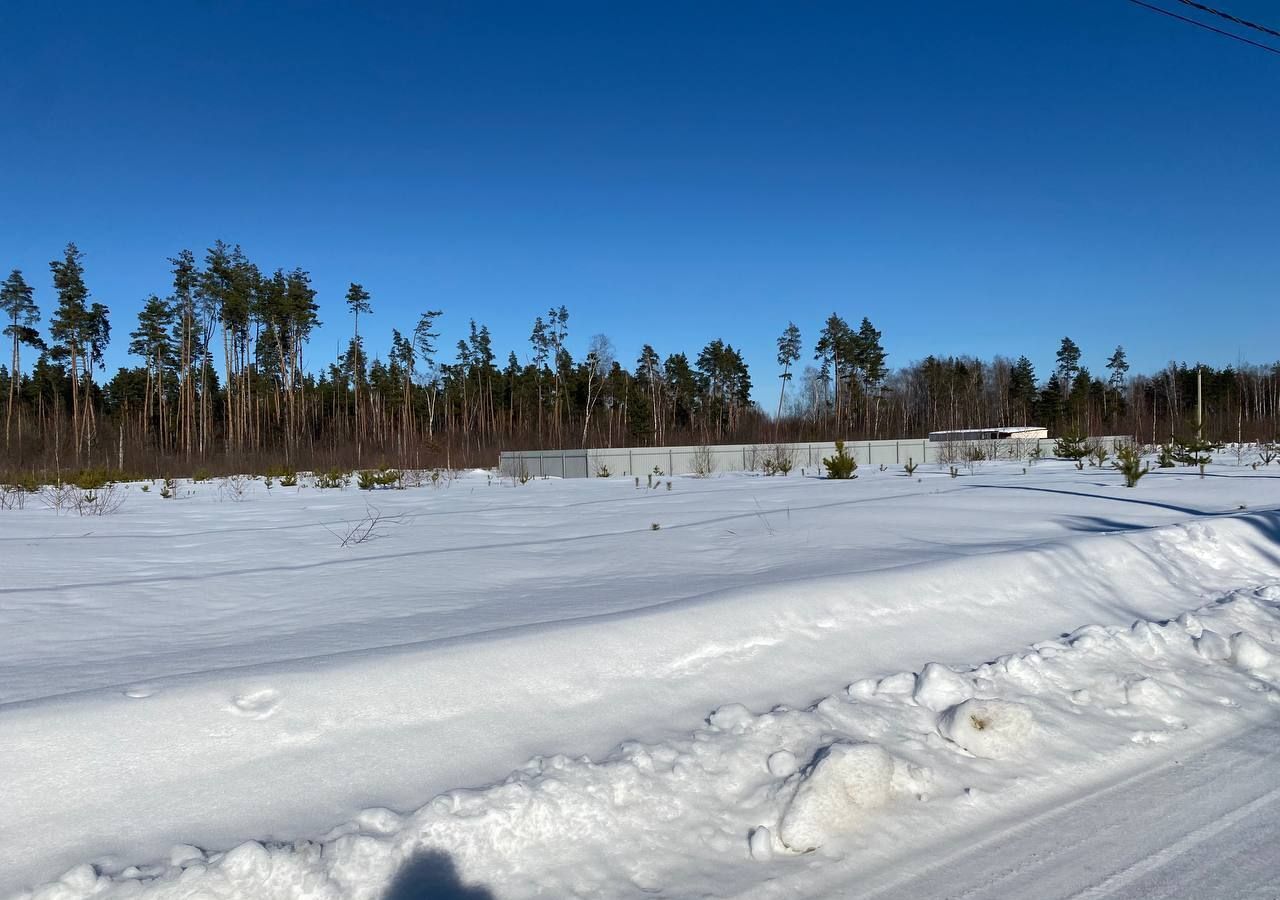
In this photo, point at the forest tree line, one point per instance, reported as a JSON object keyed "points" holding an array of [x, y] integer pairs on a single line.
{"points": [[222, 383]]}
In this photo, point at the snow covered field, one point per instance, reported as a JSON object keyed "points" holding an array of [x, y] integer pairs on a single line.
{"points": [[1002, 684]]}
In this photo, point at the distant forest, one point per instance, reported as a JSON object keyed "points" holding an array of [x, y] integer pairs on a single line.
{"points": [[222, 384]]}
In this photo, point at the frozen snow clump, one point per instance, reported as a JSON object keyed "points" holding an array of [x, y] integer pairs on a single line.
{"points": [[761, 844], [843, 782], [730, 716], [1247, 653], [1212, 645], [992, 729], [938, 688], [782, 763]]}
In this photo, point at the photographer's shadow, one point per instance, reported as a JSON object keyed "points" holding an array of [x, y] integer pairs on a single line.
{"points": [[431, 875]]}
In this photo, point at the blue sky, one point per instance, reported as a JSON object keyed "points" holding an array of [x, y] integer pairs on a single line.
{"points": [[976, 178]]}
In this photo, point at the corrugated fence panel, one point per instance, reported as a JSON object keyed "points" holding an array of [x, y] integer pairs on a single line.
{"points": [[642, 461]]}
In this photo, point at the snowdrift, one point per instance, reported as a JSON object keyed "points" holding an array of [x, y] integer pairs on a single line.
{"points": [[281, 752]]}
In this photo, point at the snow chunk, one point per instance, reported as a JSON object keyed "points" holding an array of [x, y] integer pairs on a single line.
{"points": [[782, 764], [993, 729], [843, 781], [248, 862], [185, 855], [82, 878], [730, 716], [379, 820], [761, 844], [1211, 645], [1247, 653], [901, 683], [863, 687], [1191, 624], [939, 688]]}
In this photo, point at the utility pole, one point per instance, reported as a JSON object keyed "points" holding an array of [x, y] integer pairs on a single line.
{"points": [[1199, 407]]}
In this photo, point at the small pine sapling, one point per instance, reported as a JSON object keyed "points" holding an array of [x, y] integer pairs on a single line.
{"points": [[1098, 456], [1072, 447], [1167, 457], [842, 465], [333, 479], [1129, 462], [910, 467], [778, 460], [1195, 452]]}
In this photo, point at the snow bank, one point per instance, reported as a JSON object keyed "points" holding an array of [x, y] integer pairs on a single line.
{"points": [[702, 813]]}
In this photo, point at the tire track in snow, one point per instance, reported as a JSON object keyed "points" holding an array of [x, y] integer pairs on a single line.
{"points": [[1040, 855]]}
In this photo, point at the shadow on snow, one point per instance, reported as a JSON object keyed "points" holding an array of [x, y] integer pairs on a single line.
{"points": [[431, 875]]}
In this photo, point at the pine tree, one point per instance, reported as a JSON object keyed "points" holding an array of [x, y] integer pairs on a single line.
{"points": [[1022, 387], [541, 352], [841, 465], [1068, 365], [649, 374], [152, 341], [17, 302], [1129, 462], [188, 335], [82, 332], [788, 354], [424, 341], [869, 358], [1118, 365], [357, 302], [682, 387], [222, 290], [833, 350]]}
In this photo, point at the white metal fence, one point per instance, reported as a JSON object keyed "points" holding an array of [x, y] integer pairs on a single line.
{"points": [[632, 461]]}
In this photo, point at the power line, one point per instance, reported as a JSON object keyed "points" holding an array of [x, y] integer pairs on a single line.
{"points": [[1230, 18], [1236, 37]]}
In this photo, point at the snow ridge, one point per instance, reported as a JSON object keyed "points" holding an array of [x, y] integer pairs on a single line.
{"points": [[886, 766]]}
